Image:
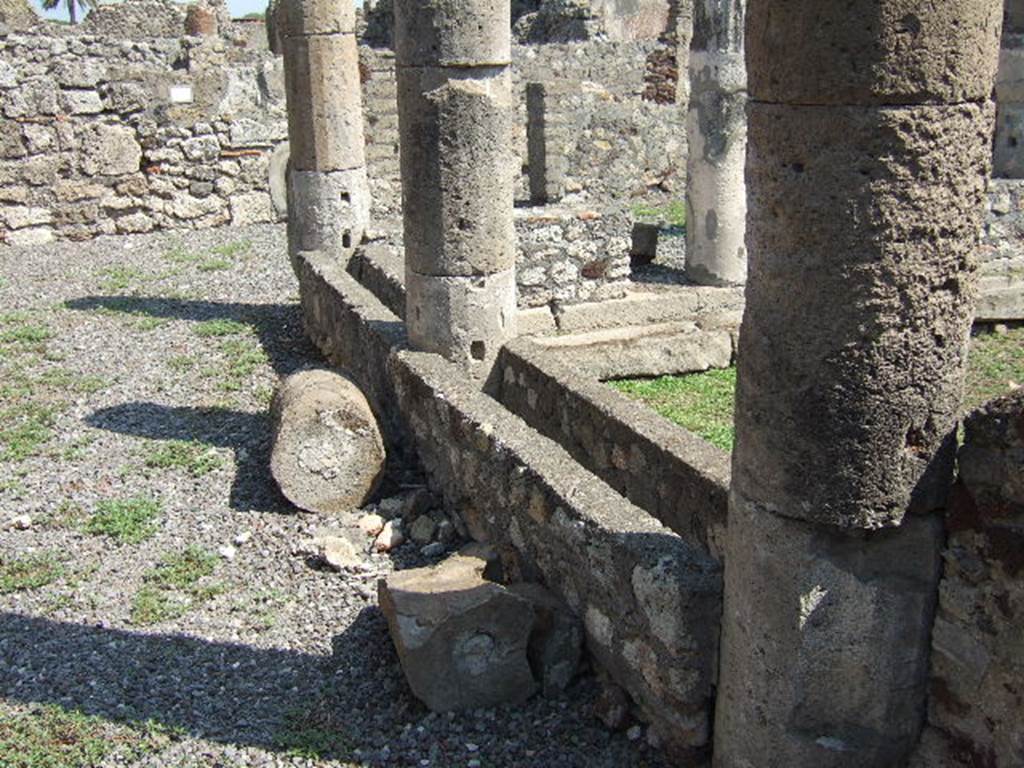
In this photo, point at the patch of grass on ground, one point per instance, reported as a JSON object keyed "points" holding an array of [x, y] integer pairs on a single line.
{"points": [[673, 214], [995, 365], [194, 458], [219, 258], [125, 520], [118, 279], [312, 735], [28, 572], [243, 358], [175, 586], [222, 327], [49, 736], [20, 332], [702, 403], [24, 428], [181, 363]]}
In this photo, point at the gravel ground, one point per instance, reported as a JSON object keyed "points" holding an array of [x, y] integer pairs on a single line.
{"points": [[109, 350]]}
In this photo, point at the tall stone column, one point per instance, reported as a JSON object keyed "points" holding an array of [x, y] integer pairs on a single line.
{"points": [[455, 120], [716, 135], [869, 128], [328, 193]]}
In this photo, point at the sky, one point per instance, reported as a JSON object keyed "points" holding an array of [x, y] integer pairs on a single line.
{"points": [[237, 8]]}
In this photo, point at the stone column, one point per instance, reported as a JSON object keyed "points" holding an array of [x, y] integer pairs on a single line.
{"points": [[328, 193], [546, 142], [455, 120], [1008, 147], [869, 127], [716, 135]]}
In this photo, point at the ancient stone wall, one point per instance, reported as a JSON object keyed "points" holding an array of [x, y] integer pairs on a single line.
{"points": [[976, 701], [100, 136]]}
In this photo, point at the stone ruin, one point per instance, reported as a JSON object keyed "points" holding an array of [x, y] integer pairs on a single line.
{"points": [[846, 589], [836, 597]]}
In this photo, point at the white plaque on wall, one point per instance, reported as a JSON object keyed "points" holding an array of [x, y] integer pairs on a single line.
{"points": [[181, 94]]}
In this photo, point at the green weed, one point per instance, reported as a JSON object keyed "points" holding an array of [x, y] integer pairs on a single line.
{"points": [[125, 520], [193, 458], [28, 572]]}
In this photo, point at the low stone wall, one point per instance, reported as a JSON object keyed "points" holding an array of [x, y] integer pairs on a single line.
{"points": [[649, 600], [675, 476], [976, 704]]}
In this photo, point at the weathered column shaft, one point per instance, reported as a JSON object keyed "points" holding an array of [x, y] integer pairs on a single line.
{"points": [[328, 193], [869, 127], [716, 132], [455, 115]]}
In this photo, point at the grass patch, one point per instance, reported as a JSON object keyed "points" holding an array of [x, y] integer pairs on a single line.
{"points": [[24, 428], [222, 327], [125, 520], [214, 265], [673, 214], [49, 736], [175, 587], [702, 403], [20, 333], [994, 367], [312, 735], [181, 363], [118, 279], [243, 358], [193, 458], [28, 572]]}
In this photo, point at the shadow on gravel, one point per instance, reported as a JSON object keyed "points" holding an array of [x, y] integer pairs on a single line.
{"points": [[224, 692], [278, 326], [247, 434]]}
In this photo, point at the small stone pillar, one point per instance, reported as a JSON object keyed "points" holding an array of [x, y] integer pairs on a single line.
{"points": [[328, 193], [545, 142], [455, 116], [869, 128], [716, 134], [1008, 147]]}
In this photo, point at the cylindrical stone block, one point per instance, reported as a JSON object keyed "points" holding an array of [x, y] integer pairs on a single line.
{"points": [[327, 212], [465, 319], [716, 202], [825, 644], [872, 51], [319, 17], [328, 455], [325, 119], [457, 170], [859, 307], [453, 33]]}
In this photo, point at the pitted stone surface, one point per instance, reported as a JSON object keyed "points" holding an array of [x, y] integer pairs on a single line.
{"points": [[325, 120], [465, 319], [872, 51], [453, 33], [318, 17], [462, 640], [458, 193], [849, 420], [328, 454], [834, 636], [327, 211]]}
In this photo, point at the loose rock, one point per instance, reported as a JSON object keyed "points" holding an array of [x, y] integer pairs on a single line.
{"points": [[462, 640], [391, 536]]}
